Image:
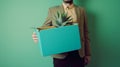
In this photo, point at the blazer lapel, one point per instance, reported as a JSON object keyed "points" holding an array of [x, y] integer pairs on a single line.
{"points": [[77, 11]]}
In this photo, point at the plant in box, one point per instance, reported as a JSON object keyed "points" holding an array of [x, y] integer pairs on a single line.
{"points": [[60, 19], [61, 35]]}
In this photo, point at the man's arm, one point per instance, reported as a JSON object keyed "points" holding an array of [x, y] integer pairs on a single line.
{"points": [[48, 22], [87, 57], [86, 35]]}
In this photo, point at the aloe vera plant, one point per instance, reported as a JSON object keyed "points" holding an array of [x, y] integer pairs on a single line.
{"points": [[61, 19]]}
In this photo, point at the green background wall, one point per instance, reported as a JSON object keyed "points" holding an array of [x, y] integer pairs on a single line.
{"points": [[17, 48]]}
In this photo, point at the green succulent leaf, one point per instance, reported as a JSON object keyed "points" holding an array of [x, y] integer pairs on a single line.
{"points": [[64, 23], [61, 19], [58, 14]]}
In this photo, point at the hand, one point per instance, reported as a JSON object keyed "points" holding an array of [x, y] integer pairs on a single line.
{"points": [[87, 60], [35, 38]]}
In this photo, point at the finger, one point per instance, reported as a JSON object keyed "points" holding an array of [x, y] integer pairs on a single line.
{"points": [[35, 40], [34, 36]]}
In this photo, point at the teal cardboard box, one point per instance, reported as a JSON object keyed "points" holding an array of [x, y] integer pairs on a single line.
{"points": [[59, 40]]}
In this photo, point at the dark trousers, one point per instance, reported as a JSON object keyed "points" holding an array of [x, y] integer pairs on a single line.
{"points": [[72, 60]]}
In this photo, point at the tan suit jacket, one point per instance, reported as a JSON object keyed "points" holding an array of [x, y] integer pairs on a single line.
{"points": [[81, 20]]}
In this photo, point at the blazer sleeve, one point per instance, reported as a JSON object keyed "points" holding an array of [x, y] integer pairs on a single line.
{"points": [[48, 21], [86, 35]]}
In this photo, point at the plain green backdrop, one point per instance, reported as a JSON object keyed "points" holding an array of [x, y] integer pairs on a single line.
{"points": [[17, 48]]}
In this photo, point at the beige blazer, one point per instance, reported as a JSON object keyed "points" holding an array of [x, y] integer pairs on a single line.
{"points": [[81, 20]]}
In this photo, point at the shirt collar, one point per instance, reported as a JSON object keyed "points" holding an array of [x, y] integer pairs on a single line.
{"points": [[68, 6]]}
